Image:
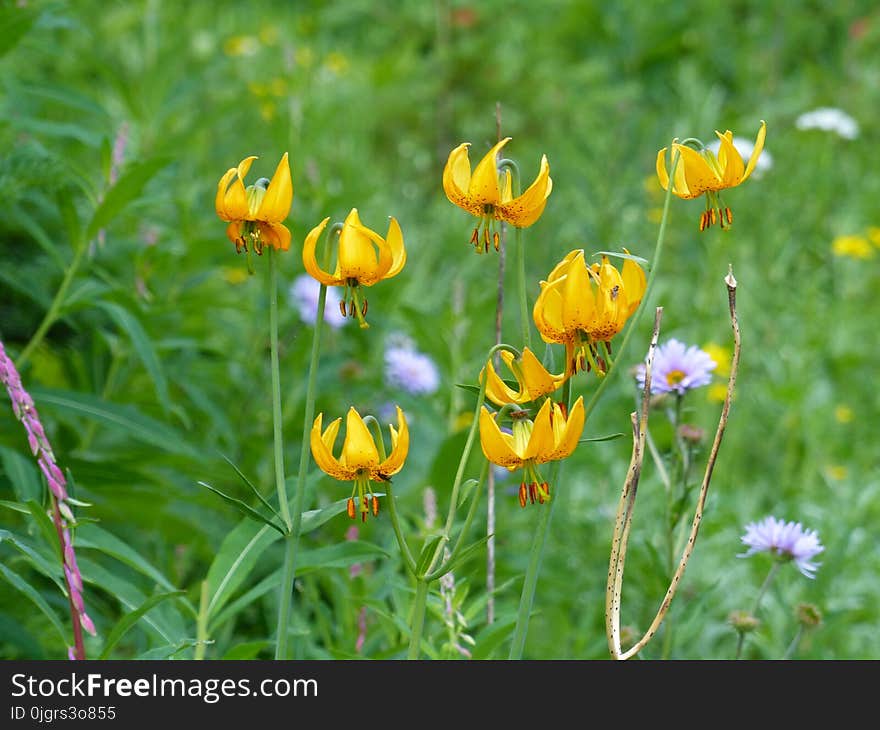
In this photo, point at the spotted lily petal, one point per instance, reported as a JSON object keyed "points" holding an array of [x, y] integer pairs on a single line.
{"points": [[567, 431], [525, 209], [484, 181]]}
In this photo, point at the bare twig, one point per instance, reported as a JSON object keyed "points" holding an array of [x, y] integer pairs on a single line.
{"points": [[731, 283]]}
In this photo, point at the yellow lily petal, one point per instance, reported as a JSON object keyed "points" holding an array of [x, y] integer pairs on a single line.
{"points": [[358, 449], [537, 380], [756, 151], [357, 257], [566, 443], [697, 172], [279, 195], [634, 284], [231, 200], [484, 181], [276, 235], [730, 161], [399, 447], [497, 446], [561, 269], [578, 297], [497, 390], [525, 209], [547, 312], [310, 262], [541, 442], [322, 445], [394, 239], [660, 166], [244, 166], [457, 180]]}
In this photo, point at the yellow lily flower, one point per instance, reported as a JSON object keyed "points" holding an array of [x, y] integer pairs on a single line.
{"points": [[359, 460], [482, 193], [581, 306], [551, 436], [255, 213], [700, 172], [363, 258], [532, 377]]}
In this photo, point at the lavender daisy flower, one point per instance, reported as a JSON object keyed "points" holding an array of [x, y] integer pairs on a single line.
{"points": [[410, 370], [304, 294], [677, 368], [785, 541]]}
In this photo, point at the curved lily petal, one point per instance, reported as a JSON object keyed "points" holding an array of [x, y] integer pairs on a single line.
{"points": [[756, 151], [322, 446], [484, 181], [231, 200], [525, 209], [729, 160], [394, 239], [457, 180], [566, 441], [357, 257], [358, 449], [276, 202], [497, 446], [541, 440], [310, 262], [399, 448]]}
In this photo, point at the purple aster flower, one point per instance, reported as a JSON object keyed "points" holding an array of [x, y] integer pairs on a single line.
{"points": [[411, 371], [304, 294], [677, 368], [785, 541]]}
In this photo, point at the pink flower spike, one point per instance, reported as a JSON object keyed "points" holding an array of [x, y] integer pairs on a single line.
{"points": [[87, 624]]}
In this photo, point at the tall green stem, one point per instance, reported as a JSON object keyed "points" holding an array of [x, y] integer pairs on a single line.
{"points": [[761, 591], [277, 437], [649, 285], [536, 553], [54, 308], [523, 297], [418, 619]]}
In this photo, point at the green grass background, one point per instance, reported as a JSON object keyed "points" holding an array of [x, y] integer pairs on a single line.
{"points": [[368, 100]]}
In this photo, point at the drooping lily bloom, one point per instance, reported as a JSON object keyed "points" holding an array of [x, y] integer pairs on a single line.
{"points": [[359, 461], [533, 378], [704, 172], [489, 198], [255, 213], [363, 258], [551, 436], [582, 306]]}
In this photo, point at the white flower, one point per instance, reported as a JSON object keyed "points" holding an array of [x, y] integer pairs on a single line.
{"points": [[744, 147], [829, 119], [304, 296]]}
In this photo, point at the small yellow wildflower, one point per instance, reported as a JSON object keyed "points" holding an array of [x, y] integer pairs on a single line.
{"points": [[854, 247], [843, 414]]}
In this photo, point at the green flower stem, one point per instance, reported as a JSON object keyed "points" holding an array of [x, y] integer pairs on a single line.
{"points": [[431, 572], [277, 437], [761, 591], [294, 522], [202, 623], [649, 285], [523, 296], [372, 423], [472, 511], [418, 618], [792, 647], [507, 164], [536, 553], [54, 308]]}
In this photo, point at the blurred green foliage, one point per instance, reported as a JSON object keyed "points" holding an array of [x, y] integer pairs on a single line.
{"points": [[156, 367]]}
